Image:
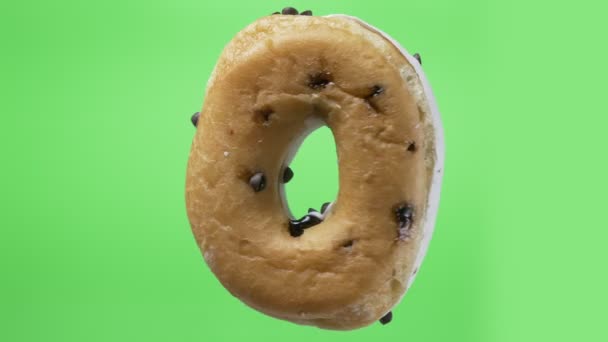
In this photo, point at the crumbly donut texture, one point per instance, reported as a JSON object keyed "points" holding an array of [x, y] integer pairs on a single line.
{"points": [[276, 81]]}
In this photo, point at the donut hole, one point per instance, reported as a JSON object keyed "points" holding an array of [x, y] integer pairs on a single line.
{"points": [[315, 168]]}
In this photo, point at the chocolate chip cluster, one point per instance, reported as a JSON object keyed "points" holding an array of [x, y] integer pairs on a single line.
{"points": [[296, 227], [293, 11]]}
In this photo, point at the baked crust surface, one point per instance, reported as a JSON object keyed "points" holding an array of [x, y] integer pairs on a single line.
{"points": [[278, 79]]}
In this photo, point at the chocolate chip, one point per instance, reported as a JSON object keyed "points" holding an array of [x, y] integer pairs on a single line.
{"points": [[348, 244], [319, 80], [307, 12], [309, 221], [418, 58], [263, 115], [324, 207], [295, 230], [386, 319], [376, 90], [412, 147], [258, 182], [289, 11], [312, 210], [194, 118], [287, 174], [276, 13], [296, 227], [404, 212]]}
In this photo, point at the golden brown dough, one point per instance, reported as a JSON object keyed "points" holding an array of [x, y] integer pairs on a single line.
{"points": [[277, 80]]}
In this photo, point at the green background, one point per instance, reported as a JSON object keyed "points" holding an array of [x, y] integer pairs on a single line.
{"points": [[95, 105]]}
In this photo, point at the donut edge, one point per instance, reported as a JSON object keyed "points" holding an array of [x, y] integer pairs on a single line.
{"points": [[430, 215]]}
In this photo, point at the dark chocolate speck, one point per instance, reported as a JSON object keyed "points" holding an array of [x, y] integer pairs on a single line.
{"points": [[194, 118], [386, 319], [287, 174], [258, 182], [289, 11], [418, 58], [376, 90], [264, 115], [319, 80], [295, 230], [404, 213], [296, 227], [307, 12]]}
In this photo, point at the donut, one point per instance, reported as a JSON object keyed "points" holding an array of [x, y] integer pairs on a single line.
{"points": [[348, 263]]}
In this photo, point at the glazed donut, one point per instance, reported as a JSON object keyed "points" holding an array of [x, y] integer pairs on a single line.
{"points": [[348, 264]]}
